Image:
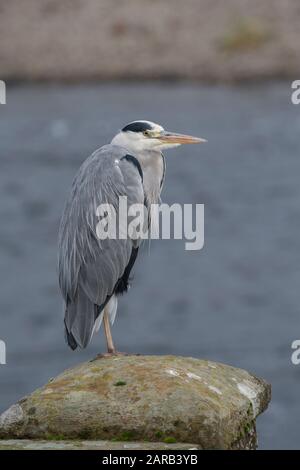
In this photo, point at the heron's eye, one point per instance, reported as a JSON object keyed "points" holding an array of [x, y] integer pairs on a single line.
{"points": [[146, 133]]}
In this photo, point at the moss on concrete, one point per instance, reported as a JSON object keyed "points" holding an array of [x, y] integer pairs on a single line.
{"points": [[143, 398]]}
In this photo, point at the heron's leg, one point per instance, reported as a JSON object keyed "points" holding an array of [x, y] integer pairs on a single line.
{"points": [[110, 344]]}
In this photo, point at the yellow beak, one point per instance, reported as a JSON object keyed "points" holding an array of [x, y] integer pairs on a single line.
{"points": [[174, 138]]}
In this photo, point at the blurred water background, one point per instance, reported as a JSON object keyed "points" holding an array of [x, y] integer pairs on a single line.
{"points": [[236, 301]]}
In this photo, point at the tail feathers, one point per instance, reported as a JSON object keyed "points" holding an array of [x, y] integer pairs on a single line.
{"points": [[97, 323], [70, 340], [112, 307], [79, 321]]}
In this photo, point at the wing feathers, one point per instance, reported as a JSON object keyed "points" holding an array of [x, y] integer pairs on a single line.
{"points": [[89, 268]]}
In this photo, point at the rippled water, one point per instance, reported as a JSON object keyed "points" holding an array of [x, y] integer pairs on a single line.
{"points": [[236, 301]]}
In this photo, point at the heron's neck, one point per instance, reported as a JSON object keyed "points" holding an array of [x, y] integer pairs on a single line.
{"points": [[152, 164]]}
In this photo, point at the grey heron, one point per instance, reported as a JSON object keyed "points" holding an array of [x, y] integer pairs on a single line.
{"points": [[93, 274]]}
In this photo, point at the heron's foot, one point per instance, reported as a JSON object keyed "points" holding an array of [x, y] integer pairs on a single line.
{"points": [[112, 354]]}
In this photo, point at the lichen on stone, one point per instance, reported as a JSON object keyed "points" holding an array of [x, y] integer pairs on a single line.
{"points": [[143, 398]]}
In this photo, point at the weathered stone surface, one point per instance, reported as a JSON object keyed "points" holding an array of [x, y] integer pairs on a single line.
{"points": [[27, 444], [144, 398]]}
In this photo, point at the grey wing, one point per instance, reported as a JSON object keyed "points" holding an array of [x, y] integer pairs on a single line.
{"points": [[90, 269]]}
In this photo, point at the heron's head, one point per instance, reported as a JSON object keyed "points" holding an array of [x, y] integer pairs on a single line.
{"points": [[139, 136]]}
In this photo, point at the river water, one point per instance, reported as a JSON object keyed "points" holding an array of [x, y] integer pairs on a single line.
{"points": [[236, 301]]}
